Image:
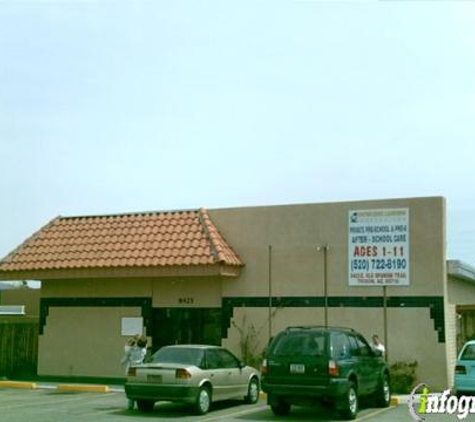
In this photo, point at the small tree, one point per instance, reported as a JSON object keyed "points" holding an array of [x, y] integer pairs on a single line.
{"points": [[403, 376], [249, 341]]}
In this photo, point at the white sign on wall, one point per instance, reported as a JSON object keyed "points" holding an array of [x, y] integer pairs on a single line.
{"points": [[131, 326], [378, 247]]}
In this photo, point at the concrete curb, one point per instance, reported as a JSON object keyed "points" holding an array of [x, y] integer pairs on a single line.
{"points": [[18, 384], [83, 388]]}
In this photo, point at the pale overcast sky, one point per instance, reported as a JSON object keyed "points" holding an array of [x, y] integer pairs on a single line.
{"points": [[120, 106]]}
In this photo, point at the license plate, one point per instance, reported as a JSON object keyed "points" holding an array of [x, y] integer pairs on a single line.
{"points": [[297, 368], [154, 378]]}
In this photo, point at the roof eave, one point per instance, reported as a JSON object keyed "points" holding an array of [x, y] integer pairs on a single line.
{"points": [[461, 270], [123, 272]]}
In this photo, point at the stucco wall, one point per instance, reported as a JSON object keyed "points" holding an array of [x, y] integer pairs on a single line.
{"points": [[461, 292], [97, 288], [82, 342], [94, 344], [165, 292], [411, 334], [193, 292], [295, 231]]}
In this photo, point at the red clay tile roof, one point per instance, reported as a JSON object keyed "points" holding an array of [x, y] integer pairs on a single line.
{"points": [[129, 240]]}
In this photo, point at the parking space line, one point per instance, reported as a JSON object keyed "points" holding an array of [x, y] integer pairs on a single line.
{"points": [[207, 419], [240, 413], [103, 412], [376, 412]]}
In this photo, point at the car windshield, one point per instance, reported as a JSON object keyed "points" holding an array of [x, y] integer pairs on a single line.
{"points": [[181, 355], [305, 344], [469, 352]]}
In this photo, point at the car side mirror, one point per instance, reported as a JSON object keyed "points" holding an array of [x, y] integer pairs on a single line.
{"points": [[241, 364]]}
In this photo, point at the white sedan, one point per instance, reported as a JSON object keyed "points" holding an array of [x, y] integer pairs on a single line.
{"points": [[195, 374]]}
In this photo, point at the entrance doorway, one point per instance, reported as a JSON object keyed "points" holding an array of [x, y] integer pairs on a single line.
{"points": [[186, 326]]}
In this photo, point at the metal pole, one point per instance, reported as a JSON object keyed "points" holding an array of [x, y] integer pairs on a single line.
{"points": [[270, 292], [325, 283], [385, 319]]}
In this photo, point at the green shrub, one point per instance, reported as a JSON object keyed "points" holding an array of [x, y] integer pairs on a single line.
{"points": [[403, 377]]}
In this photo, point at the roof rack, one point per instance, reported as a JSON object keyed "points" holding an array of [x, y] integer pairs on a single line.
{"points": [[326, 327]]}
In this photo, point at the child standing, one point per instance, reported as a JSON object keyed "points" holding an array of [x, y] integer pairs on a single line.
{"points": [[134, 353]]}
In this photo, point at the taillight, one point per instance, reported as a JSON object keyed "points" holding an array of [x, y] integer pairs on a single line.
{"points": [[182, 374], [132, 372], [460, 369], [264, 367], [332, 368]]}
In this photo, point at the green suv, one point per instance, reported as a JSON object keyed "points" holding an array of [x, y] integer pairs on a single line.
{"points": [[329, 365]]}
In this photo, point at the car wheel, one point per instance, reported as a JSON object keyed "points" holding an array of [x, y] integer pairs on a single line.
{"points": [[281, 408], [383, 395], [203, 401], [350, 404], [252, 391], [145, 405]]}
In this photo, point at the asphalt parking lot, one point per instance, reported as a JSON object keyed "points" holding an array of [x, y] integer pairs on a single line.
{"points": [[79, 402], [53, 405]]}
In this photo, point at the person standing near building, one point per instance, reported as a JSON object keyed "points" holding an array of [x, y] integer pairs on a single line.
{"points": [[134, 354], [378, 345]]}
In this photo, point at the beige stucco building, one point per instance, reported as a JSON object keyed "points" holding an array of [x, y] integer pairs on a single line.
{"points": [[237, 276]]}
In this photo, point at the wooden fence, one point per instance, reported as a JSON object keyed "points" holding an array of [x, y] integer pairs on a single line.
{"points": [[18, 347]]}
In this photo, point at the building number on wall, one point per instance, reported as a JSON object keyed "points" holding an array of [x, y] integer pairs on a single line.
{"points": [[186, 300]]}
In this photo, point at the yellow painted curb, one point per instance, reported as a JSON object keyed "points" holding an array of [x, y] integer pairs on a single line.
{"points": [[84, 388], [18, 384]]}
